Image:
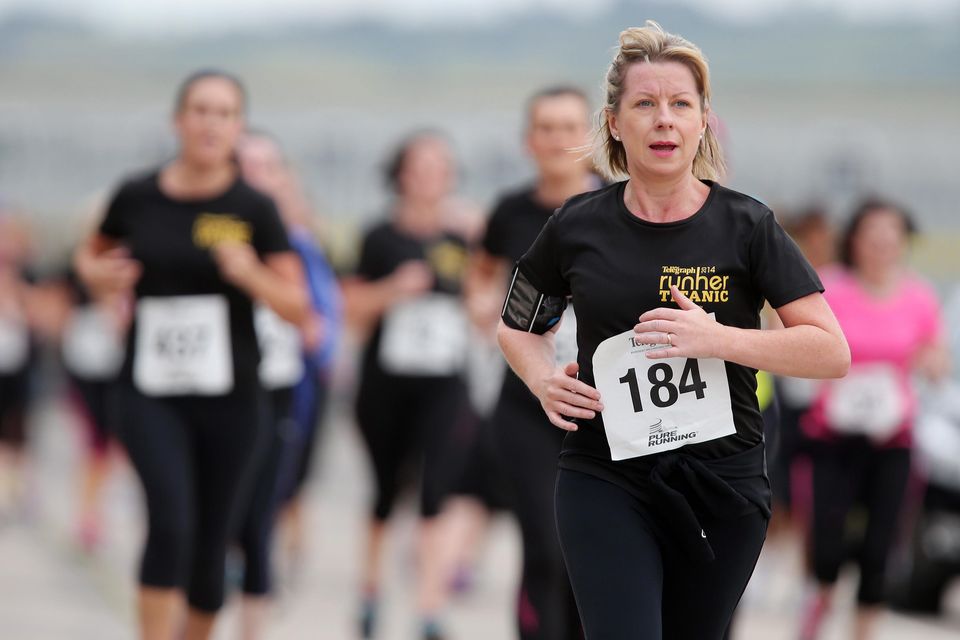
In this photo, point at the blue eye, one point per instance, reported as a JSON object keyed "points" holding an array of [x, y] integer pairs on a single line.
{"points": [[682, 103], [645, 103]]}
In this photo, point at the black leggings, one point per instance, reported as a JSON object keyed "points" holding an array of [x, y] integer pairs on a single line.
{"points": [[195, 457], [629, 586], [529, 446], [407, 425], [846, 473], [256, 531]]}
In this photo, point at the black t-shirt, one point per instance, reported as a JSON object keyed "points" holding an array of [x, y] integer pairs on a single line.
{"points": [[515, 223], [728, 257], [385, 248], [172, 239]]}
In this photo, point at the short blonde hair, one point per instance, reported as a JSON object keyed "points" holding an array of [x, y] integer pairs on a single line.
{"points": [[650, 43]]}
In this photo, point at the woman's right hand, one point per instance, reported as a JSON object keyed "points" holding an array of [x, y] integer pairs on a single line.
{"points": [[108, 273], [410, 279], [562, 395]]}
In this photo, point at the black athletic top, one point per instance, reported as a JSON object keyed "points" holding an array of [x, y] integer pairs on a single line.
{"points": [[515, 223], [172, 240], [385, 248], [728, 257]]}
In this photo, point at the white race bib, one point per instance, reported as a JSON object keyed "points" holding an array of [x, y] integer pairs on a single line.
{"points": [[658, 405], [868, 401], [281, 350], [183, 346], [799, 392], [14, 344], [565, 340], [426, 336], [92, 346]]}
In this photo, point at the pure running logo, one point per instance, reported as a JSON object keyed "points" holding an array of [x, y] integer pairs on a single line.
{"points": [[660, 436]]}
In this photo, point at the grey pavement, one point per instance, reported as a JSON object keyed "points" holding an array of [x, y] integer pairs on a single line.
{"points": [[49, 590]]}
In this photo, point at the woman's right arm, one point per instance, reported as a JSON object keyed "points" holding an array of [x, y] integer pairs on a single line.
{"points": [[561, 395], [105, 266], [364, 301]]}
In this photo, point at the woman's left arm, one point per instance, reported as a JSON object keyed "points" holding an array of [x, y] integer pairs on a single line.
{"points": [[277, 281], [810, 344]]}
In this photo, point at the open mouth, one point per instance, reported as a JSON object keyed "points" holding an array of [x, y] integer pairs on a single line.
{"points": [[663, 146]]}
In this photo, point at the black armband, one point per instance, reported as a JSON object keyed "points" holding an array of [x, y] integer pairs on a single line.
{"points": [[529, 310]]}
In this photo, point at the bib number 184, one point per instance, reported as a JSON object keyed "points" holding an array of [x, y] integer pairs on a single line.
{"points": [[663, 393]]}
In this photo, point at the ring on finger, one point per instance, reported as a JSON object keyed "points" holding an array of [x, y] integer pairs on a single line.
{"points": [[670, 339]]}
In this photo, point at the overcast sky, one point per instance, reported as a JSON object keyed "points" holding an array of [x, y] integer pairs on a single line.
{"points": [[200, 15]]}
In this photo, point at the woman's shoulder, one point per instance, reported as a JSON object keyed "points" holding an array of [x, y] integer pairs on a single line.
{"points": [[590, 202], [919, 289], [739, 204], [142, 182]]}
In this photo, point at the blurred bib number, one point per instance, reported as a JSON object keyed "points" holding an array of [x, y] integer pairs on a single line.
{"points": [[658, 405], [426, 336], [14, 344], [281, 350], [183, 346], [92, 345], [869, 401]]}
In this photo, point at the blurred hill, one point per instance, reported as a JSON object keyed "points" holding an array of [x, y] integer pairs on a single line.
{"points": [[493, 60], [814, 107]]}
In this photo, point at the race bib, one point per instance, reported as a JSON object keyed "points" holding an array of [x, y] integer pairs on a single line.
{"points": [[658, 405], [14, 344], [869, 401], [183, 346], [92, 346], [565, 340], [799, 392], [424, 337], [281, 350]]}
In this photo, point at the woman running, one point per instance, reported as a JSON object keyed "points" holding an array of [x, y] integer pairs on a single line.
{"points": [[198, 246], [291, 370], [861, 427], [662, 500], [557, 129], [411, 393]]}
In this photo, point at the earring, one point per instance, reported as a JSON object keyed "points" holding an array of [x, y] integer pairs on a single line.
{"points": [[616, 137]]}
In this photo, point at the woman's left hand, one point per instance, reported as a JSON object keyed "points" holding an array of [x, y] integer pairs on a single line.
{"points": [[685, 332], [237, 262]]}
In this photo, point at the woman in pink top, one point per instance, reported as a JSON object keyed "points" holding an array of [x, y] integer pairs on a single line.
{"points": [[861, 425]]}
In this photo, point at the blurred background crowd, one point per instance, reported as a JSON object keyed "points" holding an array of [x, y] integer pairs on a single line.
{"points": [[827, 110]]}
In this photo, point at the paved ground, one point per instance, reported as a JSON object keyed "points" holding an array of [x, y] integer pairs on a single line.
{"points": [[49, 590]]}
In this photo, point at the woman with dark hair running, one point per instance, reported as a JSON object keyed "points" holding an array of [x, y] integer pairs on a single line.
{"points": [[411, 393], [197, 246], [861, 428]]}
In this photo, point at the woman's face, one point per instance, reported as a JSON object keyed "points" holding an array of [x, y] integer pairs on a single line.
{"points": [[426, 174], [558, 126], [210, 121], [880, 240], [261, 164], [659, 119]]}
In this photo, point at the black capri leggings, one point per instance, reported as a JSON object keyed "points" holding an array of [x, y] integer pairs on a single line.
{"points": [[848, 472], [256, 531], [630, 586], [529, 446], [195, 457], [407, 425]]}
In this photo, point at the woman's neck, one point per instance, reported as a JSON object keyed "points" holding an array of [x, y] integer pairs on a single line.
{"points": [[184, 180], [553, 191], [878, 280], [667, 200], [422, 219]]}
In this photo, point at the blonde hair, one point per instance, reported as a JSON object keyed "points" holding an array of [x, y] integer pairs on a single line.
{"points": [[651, 43]]}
